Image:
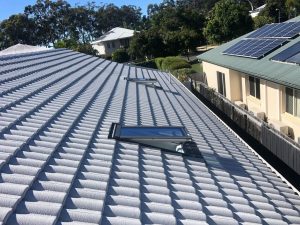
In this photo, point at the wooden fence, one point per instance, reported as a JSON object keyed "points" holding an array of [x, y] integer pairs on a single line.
{"points": [[286, 149]]}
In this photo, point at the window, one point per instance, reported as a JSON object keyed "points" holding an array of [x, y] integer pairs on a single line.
{"points": [[108, 45], [170, 138], [292, 101], [113, 44], [124, 42], [254, 86], [221, 83]]}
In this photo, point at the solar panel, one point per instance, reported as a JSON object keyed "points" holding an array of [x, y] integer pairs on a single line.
{"points": [[254, 48], [294, 59], [287, 53], [277, 30]]}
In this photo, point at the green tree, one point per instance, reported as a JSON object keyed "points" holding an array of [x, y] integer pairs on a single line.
{"points": [[260, 21], [292, 7], [120, 56], [275, 9], [50, 21], [76, 46], [228, 20], [17, 29]]}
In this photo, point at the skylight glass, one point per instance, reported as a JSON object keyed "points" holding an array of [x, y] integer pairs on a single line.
{"points": [[171, 138], [157, 132], [141, 80]]}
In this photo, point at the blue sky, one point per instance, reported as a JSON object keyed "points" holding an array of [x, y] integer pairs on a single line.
{"points": [[9, 7]]}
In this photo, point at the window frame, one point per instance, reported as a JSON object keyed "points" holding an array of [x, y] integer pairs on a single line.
{"points": [[117, 133], [256, 87], [221, 83], [295, 106]]}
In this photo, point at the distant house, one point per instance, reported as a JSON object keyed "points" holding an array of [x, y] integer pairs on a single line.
{"points": [[21, 48], [112, 40], [255, 12], [261, 71]]}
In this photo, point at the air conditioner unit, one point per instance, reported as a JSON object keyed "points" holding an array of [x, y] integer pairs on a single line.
{"points": [[283, 128], [260, 115], [241, 104]]}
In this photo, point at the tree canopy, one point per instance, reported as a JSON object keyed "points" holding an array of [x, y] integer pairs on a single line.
{"points": [[170, 28], [228, 19]]}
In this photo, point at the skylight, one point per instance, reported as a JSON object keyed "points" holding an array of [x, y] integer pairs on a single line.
{"points": [[171, 138], [142, 80]]}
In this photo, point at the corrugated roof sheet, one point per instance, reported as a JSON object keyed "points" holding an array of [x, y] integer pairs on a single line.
{"points": [[282, 73], [115, 34], [57, 165]]}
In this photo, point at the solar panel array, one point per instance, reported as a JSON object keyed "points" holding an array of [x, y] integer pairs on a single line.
{"points": [[277, 30], [254, 48], [291, 54], [265, 40]]}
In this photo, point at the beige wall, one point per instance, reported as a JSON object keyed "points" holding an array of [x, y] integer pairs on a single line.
{"points": [[232, 80], [100, 48], [273, 101], [103, 49], [272, 96], [235, 86]]}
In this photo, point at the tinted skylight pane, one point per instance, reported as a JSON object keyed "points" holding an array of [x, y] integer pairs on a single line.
{"points": [[141, 80], [287, 53], [152, 131]]}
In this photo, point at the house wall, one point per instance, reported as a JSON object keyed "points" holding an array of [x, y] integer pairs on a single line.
{"points": [[272, 96], [100, 48], [106, 48], [232, 79]]}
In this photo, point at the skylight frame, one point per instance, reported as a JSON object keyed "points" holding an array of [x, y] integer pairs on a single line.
{"points": [[117, 133], [141, 80]]}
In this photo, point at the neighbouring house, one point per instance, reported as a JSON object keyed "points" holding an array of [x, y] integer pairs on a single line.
{"points": [[22, 48], [113, 40], [255, 12], [89, 141], [260, 71]]}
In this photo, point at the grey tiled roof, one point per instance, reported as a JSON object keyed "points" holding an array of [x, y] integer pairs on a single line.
{"points": [[57, 165]]}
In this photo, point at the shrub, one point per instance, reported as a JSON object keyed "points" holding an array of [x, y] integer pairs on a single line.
{"points": [[158, 62], [183, 74], [148, 64], [172, 63], [120, 56]]}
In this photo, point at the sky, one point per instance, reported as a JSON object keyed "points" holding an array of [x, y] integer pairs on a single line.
{"points": [[10, 7]]}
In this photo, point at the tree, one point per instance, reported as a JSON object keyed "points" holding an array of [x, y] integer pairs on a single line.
{"points": [[260, 21], [17, 29], [292, 7], [171, 29], [111, 16], [147, 44], [275, 9], [120, 56], [228, 20], [76, 46], [49, 18]]}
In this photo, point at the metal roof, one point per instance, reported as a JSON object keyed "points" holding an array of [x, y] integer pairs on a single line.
{"points": [[115, 34], [57, 165], [281, 73]]}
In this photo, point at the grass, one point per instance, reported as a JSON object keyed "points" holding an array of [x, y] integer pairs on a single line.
{"points": [[197, 67]]}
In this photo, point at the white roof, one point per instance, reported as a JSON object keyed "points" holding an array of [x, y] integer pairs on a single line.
{"points": [[20, 48], [58, 166], [115, 34]]}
